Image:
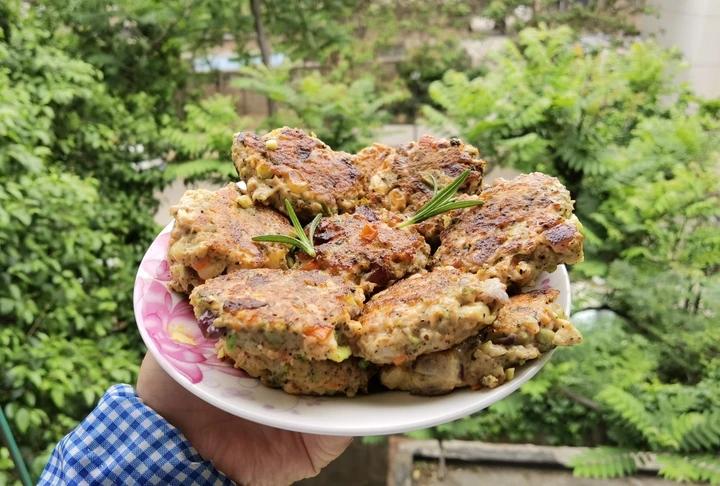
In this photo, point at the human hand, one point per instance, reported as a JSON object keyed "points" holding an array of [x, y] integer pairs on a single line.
{"points": [[247, 452]]}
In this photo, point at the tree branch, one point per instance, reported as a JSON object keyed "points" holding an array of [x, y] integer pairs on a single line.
{"points": [[606, 307], [263, 43], [585, 401]]}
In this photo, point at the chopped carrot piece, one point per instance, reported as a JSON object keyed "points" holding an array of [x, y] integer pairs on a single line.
{"points": [[369, 232], [399, 360], [311, 265], [201, 264], [318, 332]]}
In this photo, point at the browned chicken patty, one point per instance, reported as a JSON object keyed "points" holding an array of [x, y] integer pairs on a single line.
{"points": [[366, 250], [427, 312], [401, 179], [287, 163], [524, 227], [213, 234], [534, 317], [292, 312], [299, 376], [529, 325]]}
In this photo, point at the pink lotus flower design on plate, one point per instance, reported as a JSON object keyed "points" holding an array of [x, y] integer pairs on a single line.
{"points": [[168, 319]]}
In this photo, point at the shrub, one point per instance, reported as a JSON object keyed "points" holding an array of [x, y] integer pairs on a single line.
{"points": [[200, 144], [64, 306], [62, 264], [424, 65], [75, 217], [547, 103], [342, 114], [51, 382], [644, 172]]}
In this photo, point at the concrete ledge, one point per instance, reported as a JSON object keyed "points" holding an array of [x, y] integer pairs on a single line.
{"points": [[402, 452]]}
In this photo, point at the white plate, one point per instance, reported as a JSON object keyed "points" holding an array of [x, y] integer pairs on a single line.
{"points": [[168, 327]]}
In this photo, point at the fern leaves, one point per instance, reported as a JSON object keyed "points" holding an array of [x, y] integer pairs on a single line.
{"points": [[690, 468], [604, 462], [632, 410], [194, 169], [613, 462], [697, 431], [687, 432], [685, 437]]}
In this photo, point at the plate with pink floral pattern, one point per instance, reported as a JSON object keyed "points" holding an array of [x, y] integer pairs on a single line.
{"points": [[170, 331]]}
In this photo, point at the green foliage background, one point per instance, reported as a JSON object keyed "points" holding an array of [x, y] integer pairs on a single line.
{"points": [[342, 113], [75, 216], [88, 89], [642, 157]]}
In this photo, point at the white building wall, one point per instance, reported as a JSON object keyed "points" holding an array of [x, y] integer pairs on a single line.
{"points": [[692, 26]]}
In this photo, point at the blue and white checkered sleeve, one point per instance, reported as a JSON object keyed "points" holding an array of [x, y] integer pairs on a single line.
{"points": [[123, 441]]}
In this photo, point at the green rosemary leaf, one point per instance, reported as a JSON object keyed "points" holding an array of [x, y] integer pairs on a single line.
{"points": [[431, 181], [286, 240], [450, 190], [441, 202], [293, 218], [467, 203], [442, 196], [451, 206], [300, 240], [313, 226]]}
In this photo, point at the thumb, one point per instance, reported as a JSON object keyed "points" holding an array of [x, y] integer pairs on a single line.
{"points": [[323, 449]]}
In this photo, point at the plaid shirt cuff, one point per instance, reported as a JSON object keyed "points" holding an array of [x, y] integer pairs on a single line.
{"points": [[123, 441]]}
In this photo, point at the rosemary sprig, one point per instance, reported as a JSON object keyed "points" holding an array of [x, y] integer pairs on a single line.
{"points": [[300, 241], [442, 202]]}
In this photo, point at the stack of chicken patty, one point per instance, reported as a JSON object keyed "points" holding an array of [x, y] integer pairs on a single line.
{"points": [[425, 308]]}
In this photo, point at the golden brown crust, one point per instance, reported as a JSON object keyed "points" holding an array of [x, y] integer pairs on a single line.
{"points": [[298, 376], [289, 163], [528, 325], [213, 234], [306, 329], [366, 250], [526, 226], [424, 313], [296, 311], [401, 179], [527, 315]]}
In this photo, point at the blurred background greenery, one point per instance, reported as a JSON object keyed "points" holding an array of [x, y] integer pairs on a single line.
{"points": [[105, 103]]}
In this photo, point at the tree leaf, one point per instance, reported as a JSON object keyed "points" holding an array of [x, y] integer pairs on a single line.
{"points": [[22, 420]]}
